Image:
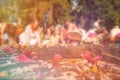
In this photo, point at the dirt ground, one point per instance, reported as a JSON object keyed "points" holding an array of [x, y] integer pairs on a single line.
{"points": [[110, 53]]}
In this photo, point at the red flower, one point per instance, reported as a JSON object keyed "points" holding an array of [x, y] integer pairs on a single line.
{"points": [[56, 60], [31, 54], [57, 57], [91, 58], [23, 58]]}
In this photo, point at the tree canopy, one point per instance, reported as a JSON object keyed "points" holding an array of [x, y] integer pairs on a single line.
{"points": [[49, 11], [103, 9], [56, 11]]}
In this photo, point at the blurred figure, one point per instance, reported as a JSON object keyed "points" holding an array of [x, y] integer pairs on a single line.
{"points": [[22, 39], [10, 33], [0, 38], [44, 33], [64, 32], [31, 35], [83, 33], [58, 34], [51, 30], [0, 34], [117, 38], [103, 35], [2, 31], [97, 23], [52, 35], [72, 27], [92, 36], [74, 35], [18, 31], [114, 32], [48, 35]]}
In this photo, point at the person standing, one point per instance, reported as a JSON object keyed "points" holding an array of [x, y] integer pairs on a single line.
{"points": [[64, 31], [31, 35], [97, 23], [3, 35]]}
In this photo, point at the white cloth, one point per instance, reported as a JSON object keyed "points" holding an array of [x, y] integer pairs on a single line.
{"points": [[84, 34], [96, 24], [5, 36], [114, 32], [30, 37], [22, 39], [91, 31]]}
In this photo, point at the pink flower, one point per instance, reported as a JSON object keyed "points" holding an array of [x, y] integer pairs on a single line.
{"points": [[9, 50], [56, 60], [92, 35], [39, 75], [88, 56], [118, 35], [23, 58], [31, 54], [57, 57]]}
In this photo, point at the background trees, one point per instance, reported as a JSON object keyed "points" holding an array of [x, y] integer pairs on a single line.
{"points": [[49, 11], [107, 10], [85, 12], [8, 10]]}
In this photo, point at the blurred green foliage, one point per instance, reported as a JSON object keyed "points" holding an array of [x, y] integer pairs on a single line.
{"points": [[49, 11], [56, 11], [103, 9]]}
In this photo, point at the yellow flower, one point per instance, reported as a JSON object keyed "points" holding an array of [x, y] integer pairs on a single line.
{"points": [[95, 68]]}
